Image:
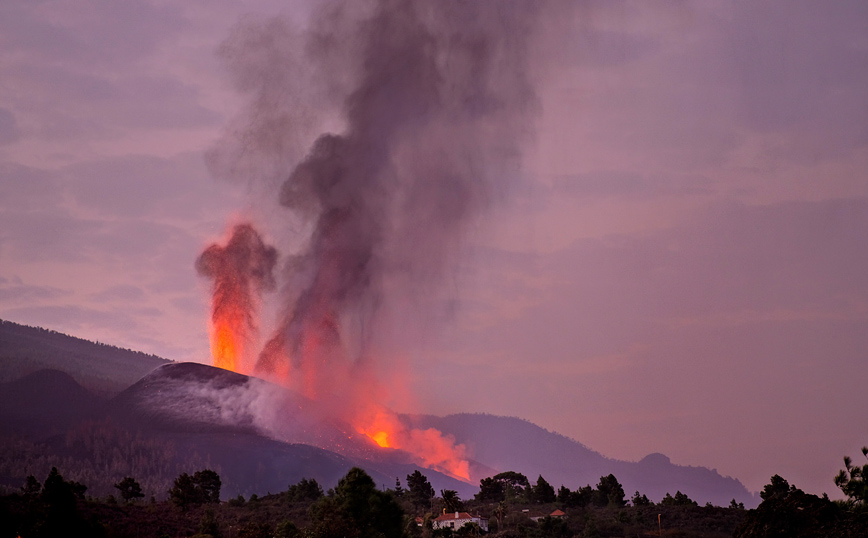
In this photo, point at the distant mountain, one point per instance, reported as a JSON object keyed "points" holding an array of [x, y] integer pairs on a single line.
{"points": [[262, 437], [514, 444], [101, 368]]}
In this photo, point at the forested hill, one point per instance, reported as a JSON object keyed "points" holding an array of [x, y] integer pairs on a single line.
{"points": [[101, 368]]}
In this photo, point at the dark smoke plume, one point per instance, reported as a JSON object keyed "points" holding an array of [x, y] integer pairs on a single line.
{"points": [[431, 101], [241, 271]]}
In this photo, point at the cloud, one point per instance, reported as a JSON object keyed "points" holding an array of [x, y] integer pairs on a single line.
{"points": [[119, 293], [13, 291], [137, 186], [624, 184], [8, 127], [96, 33]]}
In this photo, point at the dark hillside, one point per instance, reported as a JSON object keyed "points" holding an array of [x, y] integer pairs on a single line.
{"points": [[513, 444], [261, 436], [99, 367], [43, 404]]}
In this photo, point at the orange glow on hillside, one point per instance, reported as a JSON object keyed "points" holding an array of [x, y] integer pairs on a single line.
{"points": [[435, 450]]}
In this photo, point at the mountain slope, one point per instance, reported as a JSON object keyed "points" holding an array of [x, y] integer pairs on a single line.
{"points": [[101, 368], [44, 403], [512, 444], [254, 429], [231, 421]]}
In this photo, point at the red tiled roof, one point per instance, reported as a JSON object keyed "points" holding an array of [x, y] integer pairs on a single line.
{"points": [[456, 515]]}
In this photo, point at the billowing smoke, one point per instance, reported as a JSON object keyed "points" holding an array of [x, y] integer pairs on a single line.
{"points": [[422, 108], [241, 271]]}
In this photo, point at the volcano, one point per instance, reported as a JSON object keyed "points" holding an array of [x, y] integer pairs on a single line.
{"points": [[252, 428], [261, 437]]}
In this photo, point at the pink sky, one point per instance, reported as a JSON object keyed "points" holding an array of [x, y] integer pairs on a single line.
{"points": [[681, 267]]}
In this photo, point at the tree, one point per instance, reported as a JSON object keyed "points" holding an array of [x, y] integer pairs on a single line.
{"points": [[184, 493], [399, 491], [543, 492], [680, 499], [129, 489], [490, 490], [610, 492], [515, 484], [451, 501], [640, 500], [305, 490], [584, 496], [564, 495], [203, 487], [357, 508], [31, 486], [778, 488], [852, 480], [61, 502], [420, 490], [209, 483]]}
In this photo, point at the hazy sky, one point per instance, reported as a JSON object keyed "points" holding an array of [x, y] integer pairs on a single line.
{"points": [[681, 268]]}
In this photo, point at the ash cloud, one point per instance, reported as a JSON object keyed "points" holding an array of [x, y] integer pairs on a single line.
{"points": [[394, 124]]}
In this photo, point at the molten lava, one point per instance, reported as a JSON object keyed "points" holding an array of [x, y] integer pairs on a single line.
{"points": [[241, 271], [225, 346], [434, 450]]}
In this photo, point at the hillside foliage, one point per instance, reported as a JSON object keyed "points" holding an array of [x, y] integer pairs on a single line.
{"points": [[102, 368]]}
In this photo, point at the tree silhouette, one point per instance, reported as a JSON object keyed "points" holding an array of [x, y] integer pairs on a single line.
{"points": [[610, 492], [543, 492], [31, 486], [202, 487], [680, 499], [490, 490], [640, 500], [778, 488], [852, 480], [451, 501], [358, 509], [515, 484], [420, 490], [129, 489], [305, 490], [209, 483]]}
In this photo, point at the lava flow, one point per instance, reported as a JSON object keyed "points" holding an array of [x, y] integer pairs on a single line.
{"points": [[435, 450]]}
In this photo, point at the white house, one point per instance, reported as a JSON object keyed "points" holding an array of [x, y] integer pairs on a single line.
{"points": [[456, 520]]}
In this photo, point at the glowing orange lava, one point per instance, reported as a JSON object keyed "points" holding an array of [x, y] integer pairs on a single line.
{"points": [[435, 450], [225, 347]]}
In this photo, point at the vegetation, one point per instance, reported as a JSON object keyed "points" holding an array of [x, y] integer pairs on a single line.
{"points": [[852, 481], [101, 368], [99, 454], [787, 511], [354, 508]]}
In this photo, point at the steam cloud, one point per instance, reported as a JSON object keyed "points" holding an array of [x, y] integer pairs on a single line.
{"points": [[385, 127]]}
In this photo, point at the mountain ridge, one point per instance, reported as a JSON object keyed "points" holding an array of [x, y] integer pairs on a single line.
{"points": [[229, 411]]}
